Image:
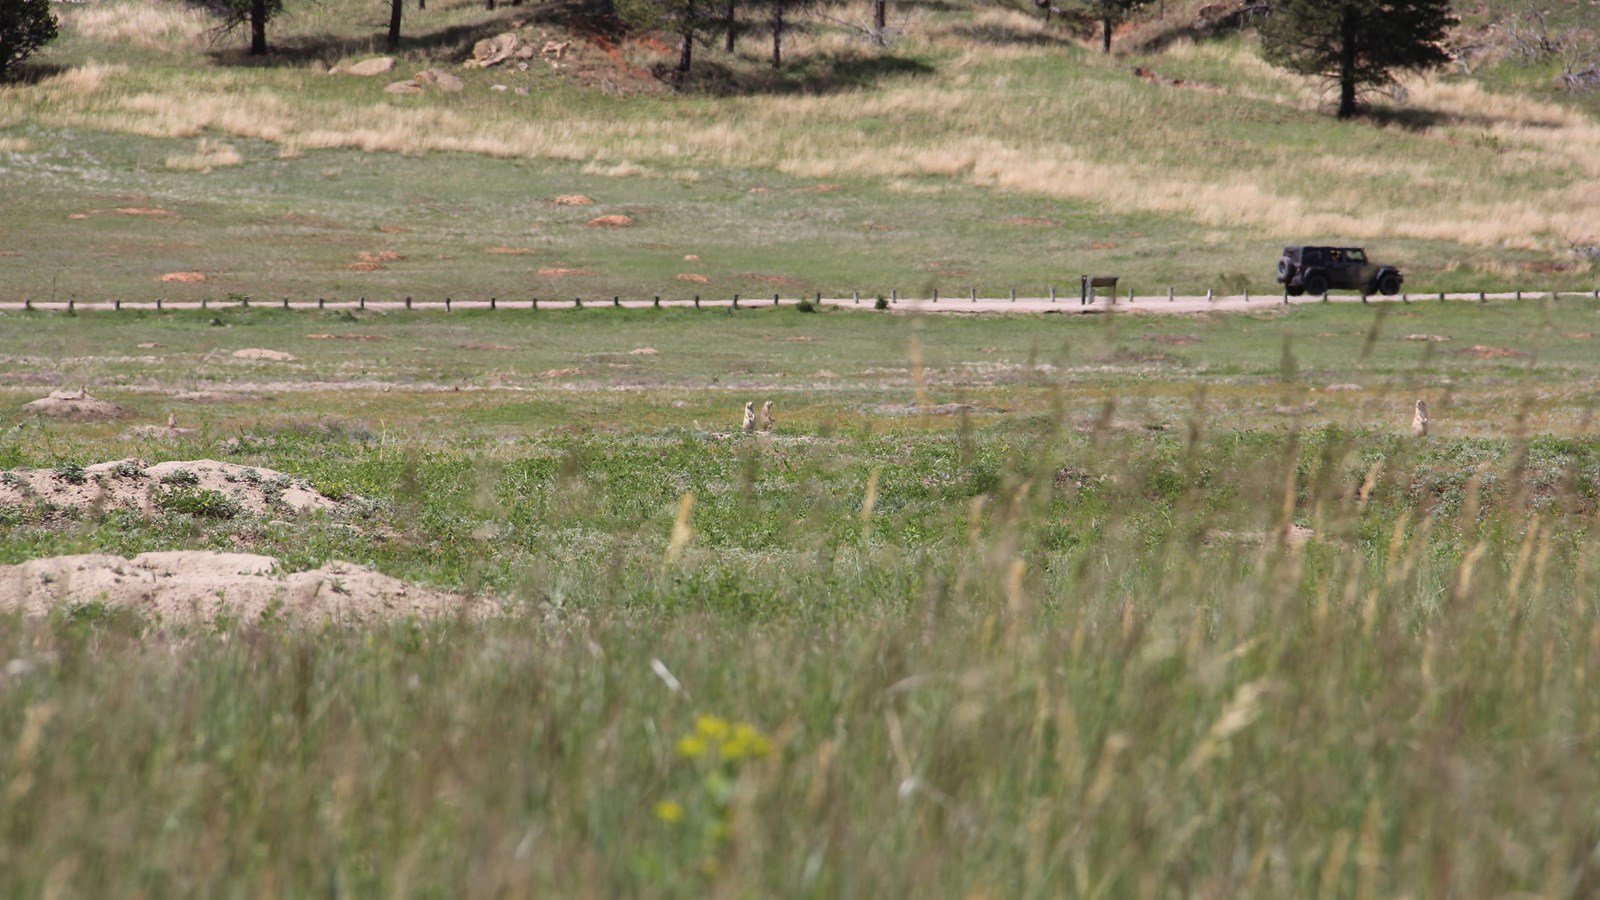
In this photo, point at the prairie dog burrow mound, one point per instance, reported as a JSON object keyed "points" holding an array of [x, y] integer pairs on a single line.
{"points": [[131, 484], [202, 587], [75, 405]]}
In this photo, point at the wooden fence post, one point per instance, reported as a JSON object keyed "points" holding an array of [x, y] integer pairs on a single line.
{"points": [[1013, 295], [286, 303], [577, 303], [616, 301], [492, 303], [362, 304], [533, 303], [204, 301], [696, 301], [1052, 294], [408, 302], [1169, 294], [158, 304], [774, 299], [735, 301], [1208, 295], [658, 301], [447, 304], [894, 296], [936, 295], [855, 296], [322, 302]]}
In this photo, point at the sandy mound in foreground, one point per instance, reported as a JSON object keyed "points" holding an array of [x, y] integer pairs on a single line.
{"points": [[130, 484], [195, 587], [75, 405]]}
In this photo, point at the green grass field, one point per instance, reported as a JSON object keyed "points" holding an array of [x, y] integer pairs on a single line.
{"points": [[1162, 606]]}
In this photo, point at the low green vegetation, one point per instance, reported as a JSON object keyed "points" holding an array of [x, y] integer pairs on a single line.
{"points": [[1121, 605]]}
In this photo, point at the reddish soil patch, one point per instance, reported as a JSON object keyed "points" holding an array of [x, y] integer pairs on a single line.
{"points": [[821, 188], [486, 347], [1032, 221], [183, 277], [692, 257], [1578, 335], [345, 337], [390, 229], [10, 253], [364, 267], [1103, 245], [565, 273], [694, 279], [380, 256], [572, 200], [758, 191], [874, 226], [1480, 351], [613, 221], [512, 251], [559, 373], [144, 211]]}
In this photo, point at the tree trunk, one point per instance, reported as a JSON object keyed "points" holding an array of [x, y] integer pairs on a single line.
{"points": [[422, 4], [258, 27], [880, 21], [395, 6], [1348, 39], [729, 23], [777, 34], [1106, 33]]}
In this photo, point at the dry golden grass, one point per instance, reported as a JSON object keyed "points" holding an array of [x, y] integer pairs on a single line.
{"points": [[15, 145], [151, 25], [208, 155]]}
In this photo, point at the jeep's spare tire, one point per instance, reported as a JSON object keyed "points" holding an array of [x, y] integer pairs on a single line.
{"points": [[1283, 267]]}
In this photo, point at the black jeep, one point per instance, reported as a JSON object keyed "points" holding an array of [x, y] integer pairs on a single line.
{"points": [[1317, 270]]}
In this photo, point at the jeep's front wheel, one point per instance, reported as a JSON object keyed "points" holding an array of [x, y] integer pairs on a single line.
{"points": [[1389, 284], [1317, 285]]}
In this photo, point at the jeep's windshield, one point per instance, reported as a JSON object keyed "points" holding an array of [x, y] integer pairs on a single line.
{"points": [[1356, 256]]}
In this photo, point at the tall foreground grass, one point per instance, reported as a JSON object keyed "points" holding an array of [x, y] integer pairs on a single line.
{"points": [[1003, 664]]}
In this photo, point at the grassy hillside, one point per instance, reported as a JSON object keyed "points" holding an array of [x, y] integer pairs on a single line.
{"points": [[981, 149]]}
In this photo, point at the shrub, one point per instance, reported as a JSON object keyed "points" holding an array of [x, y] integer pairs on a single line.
{"points": [[71, 472], [180, 478], [25, 26], [880, 304], [198, 502]]}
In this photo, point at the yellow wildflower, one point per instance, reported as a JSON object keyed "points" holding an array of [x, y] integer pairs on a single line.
{"points": [[669, 811], [711, 727], [692, 746]]}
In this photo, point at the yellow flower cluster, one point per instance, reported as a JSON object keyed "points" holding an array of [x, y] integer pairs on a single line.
{"points": [[715, 736]]}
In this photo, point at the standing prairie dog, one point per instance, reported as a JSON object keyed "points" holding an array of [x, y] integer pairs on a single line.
{"points": [[766, 416], [749, 417], [1419, 420]]}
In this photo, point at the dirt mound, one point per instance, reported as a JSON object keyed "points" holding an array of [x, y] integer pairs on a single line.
{"points": [[1481, 351], [76, 406], [559, 272], [511, 251], [572, 200], [611, 222], [182, 485], [182, 278], [1426, 338], [199, 587], [693, 278], [346, 337], [258, 353]]}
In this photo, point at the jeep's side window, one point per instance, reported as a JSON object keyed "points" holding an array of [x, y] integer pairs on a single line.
{"points": [[1358, 256], [1313, 257], [1336, 255]]}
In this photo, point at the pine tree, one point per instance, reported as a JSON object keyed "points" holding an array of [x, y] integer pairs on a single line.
{"points": [[234, 13], [1357, 44], [1111, 13], [25, 26]]}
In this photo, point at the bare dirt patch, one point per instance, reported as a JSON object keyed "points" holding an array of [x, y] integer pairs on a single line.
{"points": [[1103, 245], [1426, 338], [821, 188], [559, 373], [378, 256], [76, 406], [144, 211], [1032, 222], [643, 351], [200, 587], [511, 251], [558, 272], [612, 221], [183, 278], [693, 278], [486, 347], [774, 280], [345, 337], [1480, 351], [572, 200], [258, 353], [130, 484]]}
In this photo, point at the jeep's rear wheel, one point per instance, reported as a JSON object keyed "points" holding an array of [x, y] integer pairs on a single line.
{"points": [[1317, 285], [1389, 284], [1295, 291]]}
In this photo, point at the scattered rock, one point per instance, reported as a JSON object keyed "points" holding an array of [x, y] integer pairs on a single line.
{"points": [[494, 51], [612, 221], [148, 345], [183, 277], [1302, 409], [403, 87], [555, 48], [644, 351], [258, 353], [1336, 388], [75, 405], [367, 68], [522, 92], [572, 200], [440, 79], [498, 88], [196, 587]]}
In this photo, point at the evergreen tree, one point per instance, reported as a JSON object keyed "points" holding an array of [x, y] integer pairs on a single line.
{"points": [[234, 13], [1358, 44], [1111, 13], [25, 26]]}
